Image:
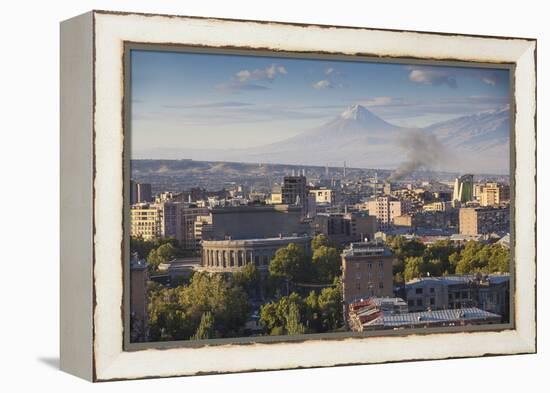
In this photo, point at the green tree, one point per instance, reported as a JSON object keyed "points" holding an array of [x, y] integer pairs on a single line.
{"points": [[276, 316], [295, 315], [441, 250], [331, 308], [319, 241], [289, 263], [499, 260], [144, 247], [176, 313], [414, 268], [248, 278], [403, 249], [326, 263], [293, 324], [206, 327], [160, 255], [474, 258], [454, 258], [432, 267]]}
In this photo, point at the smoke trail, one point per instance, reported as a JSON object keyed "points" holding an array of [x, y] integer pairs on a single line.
{"points": [[424, 151]]}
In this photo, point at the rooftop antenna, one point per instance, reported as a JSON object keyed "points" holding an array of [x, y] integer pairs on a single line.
{"points": [[344, 169]]}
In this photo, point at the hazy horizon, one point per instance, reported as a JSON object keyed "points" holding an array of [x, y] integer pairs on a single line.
{"points": [[196, 103]]}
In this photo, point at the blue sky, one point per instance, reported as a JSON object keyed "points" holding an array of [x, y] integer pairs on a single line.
{"points": [[225, 101]]}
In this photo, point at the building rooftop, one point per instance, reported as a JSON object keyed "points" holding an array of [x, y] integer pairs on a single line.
{"points": [[377, 301], [438, 316], [260, 240], [365, 249], [459, 279]]}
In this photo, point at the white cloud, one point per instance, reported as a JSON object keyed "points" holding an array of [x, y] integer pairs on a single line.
{"points": [[322, 84], [432, 77], [265, 74], [489, 81], [329, 71], [448, 76]]}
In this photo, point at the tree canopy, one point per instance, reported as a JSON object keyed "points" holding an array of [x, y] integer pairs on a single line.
{"points": [[292, 314], [326, 263], [180, 313], [162, 254], [289, 263], [319, 241], [444, 257]]}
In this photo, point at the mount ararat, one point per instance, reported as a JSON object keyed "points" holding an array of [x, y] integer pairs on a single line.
{"points": [[477, 143]]}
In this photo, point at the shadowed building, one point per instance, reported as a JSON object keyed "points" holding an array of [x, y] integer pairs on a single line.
{"points": [[487, 292], [250, 222], [294, 190], [138, 299], [484, 220], [140, 192], [342, 228], [367, 271]]}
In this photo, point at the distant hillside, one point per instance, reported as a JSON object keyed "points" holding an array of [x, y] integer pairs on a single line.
{"points": [[477, 143]]}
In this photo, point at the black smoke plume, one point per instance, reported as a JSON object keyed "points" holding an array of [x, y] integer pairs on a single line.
{"points": [[423, 151]]}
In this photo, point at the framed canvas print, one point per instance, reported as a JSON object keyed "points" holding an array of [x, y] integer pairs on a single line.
{"points": [[246, 195]]}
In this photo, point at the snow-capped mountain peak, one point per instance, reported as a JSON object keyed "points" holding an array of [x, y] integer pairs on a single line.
{"points": [[356, 112], [357, 116]]}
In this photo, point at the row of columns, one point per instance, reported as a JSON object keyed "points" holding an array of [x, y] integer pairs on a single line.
{"points": [[236, 258]]}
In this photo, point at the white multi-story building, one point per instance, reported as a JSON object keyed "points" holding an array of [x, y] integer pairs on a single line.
{"points": [[386, 208], [323, 195]]}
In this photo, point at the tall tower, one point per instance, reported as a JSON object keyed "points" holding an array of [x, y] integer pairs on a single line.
{"points": [[464, 188]]}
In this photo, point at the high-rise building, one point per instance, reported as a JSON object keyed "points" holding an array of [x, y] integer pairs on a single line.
{"points": [[464, 188], [343, 228], [494, 194], [294, 190], [140, 192], [185, 233], [386, 208], [203, 229], [367, 271], [146, 221], [475, 221], [169, 218]]}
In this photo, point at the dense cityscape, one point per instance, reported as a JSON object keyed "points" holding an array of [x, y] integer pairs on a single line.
{"points": [[289, 250]]}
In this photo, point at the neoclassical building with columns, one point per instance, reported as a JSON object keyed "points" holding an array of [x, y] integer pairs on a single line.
{"points": [[232, 255]]}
